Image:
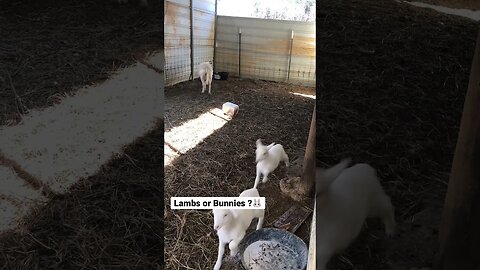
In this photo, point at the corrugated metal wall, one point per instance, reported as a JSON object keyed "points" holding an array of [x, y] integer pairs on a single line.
{"points": [[177, 37], [265, 49], [203, 32], [177, 41]]}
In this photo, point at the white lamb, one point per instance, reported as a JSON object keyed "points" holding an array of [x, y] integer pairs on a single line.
{"points": [[345, 198], [232, 224], [205, 71], [268, 157]]}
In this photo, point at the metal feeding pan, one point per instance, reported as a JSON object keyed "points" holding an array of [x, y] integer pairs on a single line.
{"points": [[273, 249]]}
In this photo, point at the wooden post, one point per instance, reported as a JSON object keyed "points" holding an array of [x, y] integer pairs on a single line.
{"points": [[301, 188], [460, 228], [308, 174]]}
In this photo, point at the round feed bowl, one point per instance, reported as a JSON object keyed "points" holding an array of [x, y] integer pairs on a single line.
{"points": [[284, 243]]}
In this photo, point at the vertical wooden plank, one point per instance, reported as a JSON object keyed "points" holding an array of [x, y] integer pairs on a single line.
{"points": [[302, 188], [460, 228]]}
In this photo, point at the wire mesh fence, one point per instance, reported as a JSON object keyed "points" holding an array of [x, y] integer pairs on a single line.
{"points": [[266, 62], [178, 58], [202, 52], [265, 49]]}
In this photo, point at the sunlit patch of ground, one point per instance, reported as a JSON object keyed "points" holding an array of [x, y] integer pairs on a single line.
{"points": [[62, 144], [304, 95], [180, 139]]}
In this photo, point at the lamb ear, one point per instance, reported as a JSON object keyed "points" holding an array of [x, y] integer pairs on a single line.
{"points": [[259, 142], [270, 145]]}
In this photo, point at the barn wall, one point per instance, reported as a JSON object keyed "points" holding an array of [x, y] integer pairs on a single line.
{"points": [[265, 48], [203, 32], [177, 37]]}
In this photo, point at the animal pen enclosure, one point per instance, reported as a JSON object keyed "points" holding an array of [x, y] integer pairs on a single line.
{"points": [[221, 164], [273, 50], [189, 35], [208, 155]]}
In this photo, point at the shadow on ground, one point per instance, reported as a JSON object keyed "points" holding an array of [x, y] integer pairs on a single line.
{"points": [[110, 220], [54, 47], [223, 165]]}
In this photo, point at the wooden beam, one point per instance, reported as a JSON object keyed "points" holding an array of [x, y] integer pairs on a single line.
{"points": [[460, 227], [302, 188], [308, 174]]}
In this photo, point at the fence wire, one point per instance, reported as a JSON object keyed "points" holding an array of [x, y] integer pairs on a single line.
{"points": [[178, 58], [265, 61], [273, 56]]}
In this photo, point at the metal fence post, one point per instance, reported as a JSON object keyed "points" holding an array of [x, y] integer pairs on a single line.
{"points": [[215, 36], [191, 40], [290, 57], [239, 51]]}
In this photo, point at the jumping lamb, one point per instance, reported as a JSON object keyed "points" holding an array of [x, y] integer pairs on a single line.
{"points": [[345, 198], [267, 158]]}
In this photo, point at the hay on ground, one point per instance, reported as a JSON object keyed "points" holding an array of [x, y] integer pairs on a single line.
{"points": [[110, 220], [224, 163], [54, 47], [393, 84]]}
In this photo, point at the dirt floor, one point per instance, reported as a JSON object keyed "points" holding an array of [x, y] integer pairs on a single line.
{"points": [[110, 220], [223, 165], [467, 4], [393, 84], [52, 47]]}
